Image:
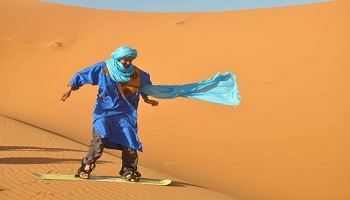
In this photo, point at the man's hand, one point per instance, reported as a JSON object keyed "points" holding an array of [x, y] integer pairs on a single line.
{"points": [[66, 94], [152, 102]]}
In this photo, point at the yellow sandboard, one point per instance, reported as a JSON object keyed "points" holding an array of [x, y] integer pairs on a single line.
{"points": [[100, 178]]}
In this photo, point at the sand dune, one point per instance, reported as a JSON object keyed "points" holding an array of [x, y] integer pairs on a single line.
{"points": [[287, 140], [25, 149]]}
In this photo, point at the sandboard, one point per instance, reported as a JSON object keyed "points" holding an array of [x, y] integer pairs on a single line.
{"points": [[100, 178]]}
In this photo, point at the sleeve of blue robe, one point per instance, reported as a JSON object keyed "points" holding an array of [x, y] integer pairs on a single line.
{"points": [[89, 75]]}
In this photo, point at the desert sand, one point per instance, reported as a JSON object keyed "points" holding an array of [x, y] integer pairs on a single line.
{"points": [[26, 149], [287, 140]]}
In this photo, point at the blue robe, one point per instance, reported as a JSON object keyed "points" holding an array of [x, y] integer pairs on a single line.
{"points": [[115, 116]]}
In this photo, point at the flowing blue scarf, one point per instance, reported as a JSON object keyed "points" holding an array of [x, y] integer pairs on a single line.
{"points": [[222, 89], [116, 70]]}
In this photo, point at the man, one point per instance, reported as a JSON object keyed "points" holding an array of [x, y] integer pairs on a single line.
{"points": [[115, 113]]}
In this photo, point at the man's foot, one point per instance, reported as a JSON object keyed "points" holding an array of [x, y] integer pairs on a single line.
{"points": [[85, 170], [130, 174]]}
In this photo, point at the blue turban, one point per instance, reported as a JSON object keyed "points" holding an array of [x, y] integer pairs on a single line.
{"points": [[116, 70], [124, 52]]}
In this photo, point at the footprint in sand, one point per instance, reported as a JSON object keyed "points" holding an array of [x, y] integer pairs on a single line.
{"points": [[44, 194], [180, 23], [56, 45]]}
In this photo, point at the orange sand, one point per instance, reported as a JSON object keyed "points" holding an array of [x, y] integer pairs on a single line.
{"points": [[288, 140], [25, 149]]}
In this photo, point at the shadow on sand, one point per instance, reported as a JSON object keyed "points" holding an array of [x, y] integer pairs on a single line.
{"points": [[31, 148], [38, 160], [182, 184]]}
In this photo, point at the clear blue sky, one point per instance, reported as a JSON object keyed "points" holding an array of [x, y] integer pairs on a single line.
{"points": [[181, 5]]}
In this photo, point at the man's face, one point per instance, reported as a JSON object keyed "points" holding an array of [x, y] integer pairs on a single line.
{"points": [[126, 62]]}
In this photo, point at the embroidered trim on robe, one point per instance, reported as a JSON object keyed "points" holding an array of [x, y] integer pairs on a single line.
{"points": [[131, 87]]}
